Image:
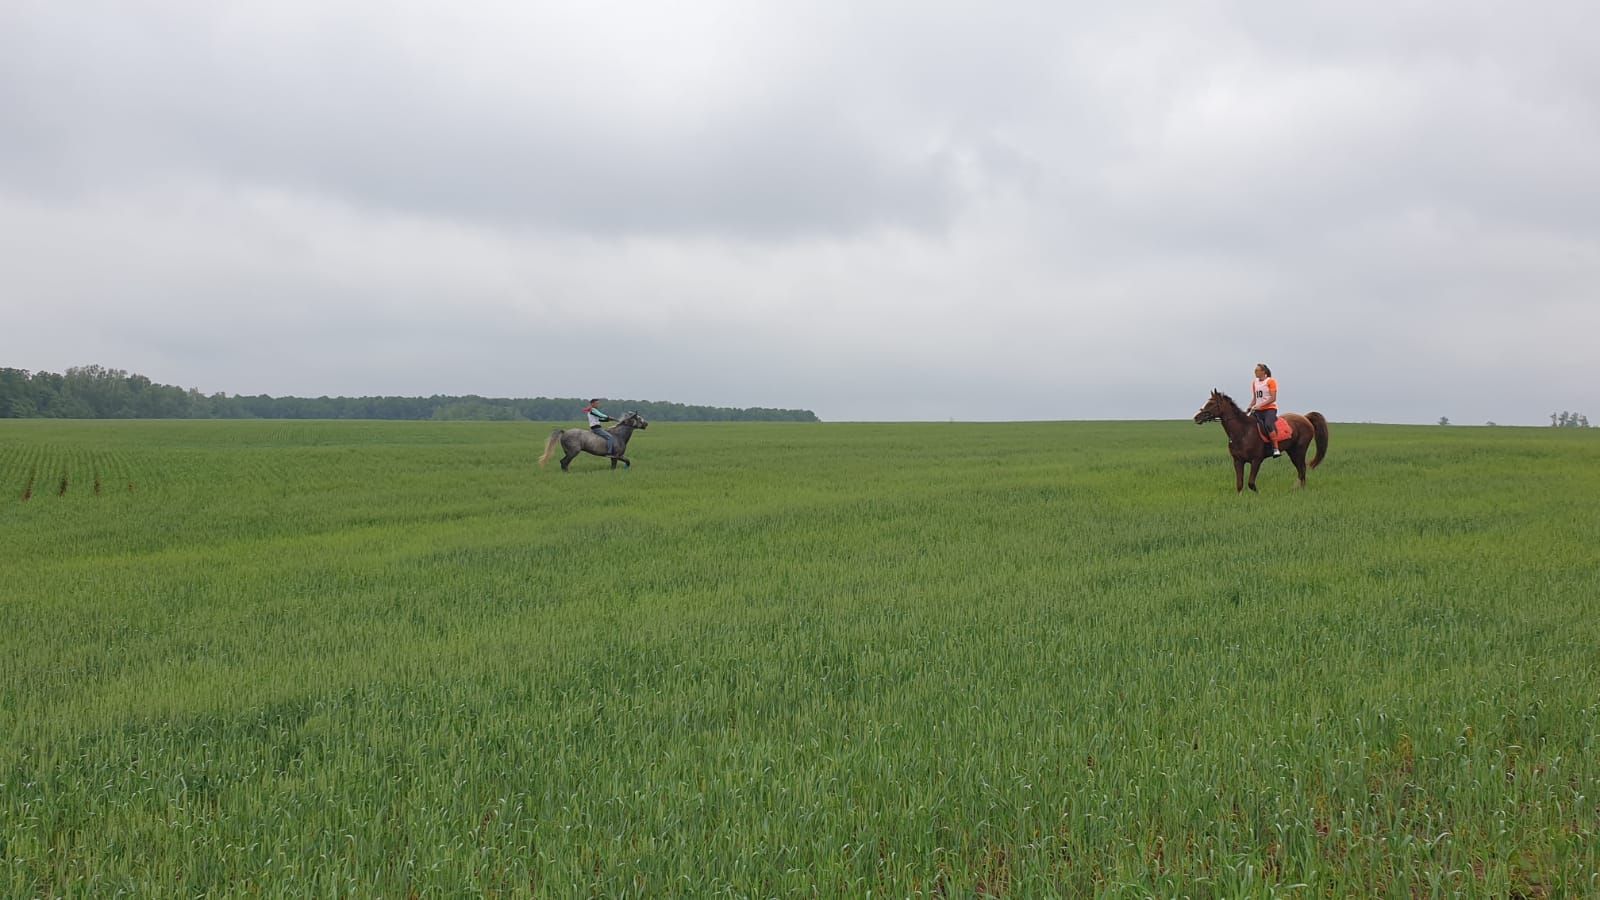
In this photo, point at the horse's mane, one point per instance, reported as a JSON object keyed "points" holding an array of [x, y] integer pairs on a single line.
{"points": [[1229, 400]]}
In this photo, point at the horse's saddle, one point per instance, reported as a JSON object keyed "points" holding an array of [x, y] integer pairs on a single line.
{"points": [[1281, 432]]}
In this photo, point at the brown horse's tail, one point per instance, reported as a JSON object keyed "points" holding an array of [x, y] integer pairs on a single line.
{"points": [[555, 438], [1319, 427]]}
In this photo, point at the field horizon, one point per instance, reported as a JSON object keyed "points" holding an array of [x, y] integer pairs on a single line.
{"points": [[1055, 658]]}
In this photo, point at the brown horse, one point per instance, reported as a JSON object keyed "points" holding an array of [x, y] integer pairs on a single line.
{"points": [[582, 440], [1246, 445]]}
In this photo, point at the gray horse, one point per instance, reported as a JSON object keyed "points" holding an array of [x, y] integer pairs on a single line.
{"points": [[582, 440]]}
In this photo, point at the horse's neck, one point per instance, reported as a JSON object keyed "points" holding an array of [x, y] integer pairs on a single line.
{"points": [[621, 432], [1235, 422]]}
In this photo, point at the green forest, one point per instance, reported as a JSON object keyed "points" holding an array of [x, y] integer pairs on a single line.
{"points": [[96, 392]]}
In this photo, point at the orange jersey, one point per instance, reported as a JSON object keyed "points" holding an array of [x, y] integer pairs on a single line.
{"points": [[1260, 388]]}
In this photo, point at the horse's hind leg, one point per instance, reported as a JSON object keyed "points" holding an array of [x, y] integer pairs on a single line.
{"points": [[567, 460], [1297, 455], [1255, 466], [626, 463]]}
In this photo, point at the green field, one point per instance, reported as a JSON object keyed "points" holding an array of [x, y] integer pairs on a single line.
{"points": [[1050, 659]]}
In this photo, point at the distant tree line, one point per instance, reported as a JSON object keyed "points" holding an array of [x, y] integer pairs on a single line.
{"points": [[1568, 420], [95, 392]]}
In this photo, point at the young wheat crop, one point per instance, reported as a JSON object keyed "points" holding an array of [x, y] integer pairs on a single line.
{"points": [[1053, 659]]}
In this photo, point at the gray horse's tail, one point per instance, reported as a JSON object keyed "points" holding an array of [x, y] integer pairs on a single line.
{"points": [[550, 447], [1319, 428]]}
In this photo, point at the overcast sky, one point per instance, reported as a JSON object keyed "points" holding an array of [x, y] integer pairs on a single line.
{"points": [[873, 210]]}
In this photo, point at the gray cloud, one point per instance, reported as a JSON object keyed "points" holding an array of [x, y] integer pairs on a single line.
{"points": [[332, 108], [904, 210]]}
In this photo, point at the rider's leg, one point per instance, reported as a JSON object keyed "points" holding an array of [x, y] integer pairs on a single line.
{"points": [[611, 444], [1267, 419]]}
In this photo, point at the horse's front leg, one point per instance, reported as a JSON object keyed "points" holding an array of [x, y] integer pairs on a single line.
{"points": [[1238, 475]]}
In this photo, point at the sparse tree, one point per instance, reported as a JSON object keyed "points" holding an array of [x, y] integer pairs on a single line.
{"points": [[1444, 420]]}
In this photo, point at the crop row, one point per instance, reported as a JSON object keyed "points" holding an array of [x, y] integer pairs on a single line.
{"points": [[35, 471]]}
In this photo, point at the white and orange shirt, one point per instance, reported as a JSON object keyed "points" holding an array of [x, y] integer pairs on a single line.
{"points": [[1260, 388]]}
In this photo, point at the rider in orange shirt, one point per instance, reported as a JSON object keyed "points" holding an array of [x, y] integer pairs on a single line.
{"points": [[1264, 404]]}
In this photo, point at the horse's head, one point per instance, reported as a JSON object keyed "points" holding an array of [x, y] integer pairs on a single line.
{"points": [[1212, 410], [633, 420]]}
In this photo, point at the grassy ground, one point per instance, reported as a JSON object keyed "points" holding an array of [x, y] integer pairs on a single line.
{"points": [[776, 660]]}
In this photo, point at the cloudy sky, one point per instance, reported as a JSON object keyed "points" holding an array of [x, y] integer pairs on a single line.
{"points": [[873, 210]]}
